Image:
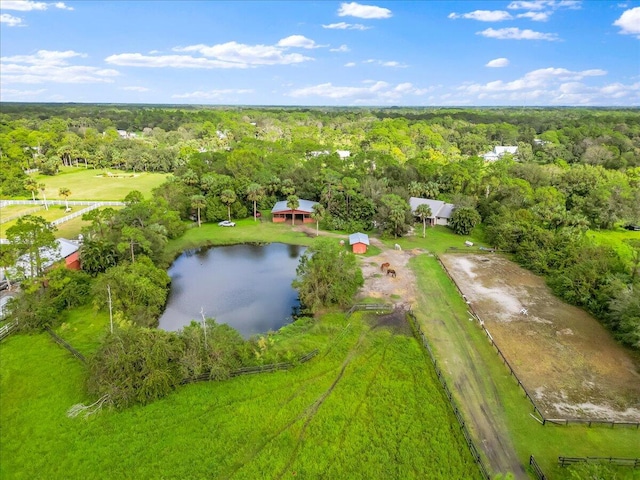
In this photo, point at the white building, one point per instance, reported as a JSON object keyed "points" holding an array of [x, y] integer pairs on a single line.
{"points": [[440, 211], [499, 152]]}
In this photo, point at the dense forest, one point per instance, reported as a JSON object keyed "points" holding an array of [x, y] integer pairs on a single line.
{"points": [[575, 171]]}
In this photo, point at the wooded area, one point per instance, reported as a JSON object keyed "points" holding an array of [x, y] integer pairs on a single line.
{"points": [[575, 171]]}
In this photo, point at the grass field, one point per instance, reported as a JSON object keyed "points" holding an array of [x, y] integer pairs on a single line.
{"points": [[91, 185], [54, 213], [616, 240], [368, 406]]}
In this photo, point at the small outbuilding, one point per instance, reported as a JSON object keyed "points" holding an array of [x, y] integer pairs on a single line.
{"points": [[359, 242], [281, 212]]}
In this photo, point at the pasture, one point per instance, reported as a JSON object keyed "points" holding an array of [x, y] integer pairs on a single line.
{"points": [[97, 185], [369, 406]]}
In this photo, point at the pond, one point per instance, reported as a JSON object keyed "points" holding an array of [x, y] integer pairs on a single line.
{"points": [[245, 286]]}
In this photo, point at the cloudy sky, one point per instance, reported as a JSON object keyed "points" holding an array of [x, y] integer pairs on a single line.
{"points": [[440, 53]]}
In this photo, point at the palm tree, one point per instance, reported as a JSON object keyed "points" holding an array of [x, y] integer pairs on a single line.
{"points": [[293, 202], [227, 197], [42, 188], [198, 202], [255, 193], [317, 215], [287, 187], [65, 192], [416, 189], [423, 212], [31, 185]]}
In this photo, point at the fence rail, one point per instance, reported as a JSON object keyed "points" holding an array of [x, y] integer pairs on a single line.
{"points": [[378, 308], [271, 367], [624, 462], [463, 427], [544, 420], [7, 329], [6, 203], [13, 217], [63, 343], [537, 471]]}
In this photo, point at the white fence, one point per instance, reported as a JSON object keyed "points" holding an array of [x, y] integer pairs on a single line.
{"points": [[91, 206], [6, 203]]}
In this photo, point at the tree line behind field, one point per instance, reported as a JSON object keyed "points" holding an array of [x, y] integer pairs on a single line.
{"points": [[576, 169]]}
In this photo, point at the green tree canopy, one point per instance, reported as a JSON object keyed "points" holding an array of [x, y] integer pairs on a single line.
{"points": [[327, 275]]}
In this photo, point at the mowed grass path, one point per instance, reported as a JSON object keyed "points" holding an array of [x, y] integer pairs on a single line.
{"points": [[86, 184], [368, 406]]}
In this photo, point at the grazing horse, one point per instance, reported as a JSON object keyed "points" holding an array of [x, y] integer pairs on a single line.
{"points": [[391, 272], [385, 266]]}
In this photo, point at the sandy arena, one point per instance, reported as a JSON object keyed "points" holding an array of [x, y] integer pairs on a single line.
{"points": [[564, 357]]}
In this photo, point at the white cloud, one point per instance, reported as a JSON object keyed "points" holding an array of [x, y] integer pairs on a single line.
{"points": [[483, 15], [136, 89], [298, 41], [545, 4], [44, 57], [341, 48], [168, 61], [629, 22], [350, 64], [247, 55], [10, 20], [13, 94], [514, 33], [557, 86], [357, 10], [213, 94], [28, 5], [346, 26], [497, 63], [535, 16], [48, 66], [383, 63], [225, 55], [371, 92]]}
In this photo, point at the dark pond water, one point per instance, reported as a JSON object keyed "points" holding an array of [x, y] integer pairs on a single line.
{"points": [[245, 286]]}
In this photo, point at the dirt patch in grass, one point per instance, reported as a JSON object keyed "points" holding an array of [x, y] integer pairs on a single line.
{"points": [[395, 321], [399, 290], [566, 359]]}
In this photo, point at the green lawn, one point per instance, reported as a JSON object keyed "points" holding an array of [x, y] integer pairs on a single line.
{"points": [[54, 213], [91, 185], [368, 406], [616, 240]]}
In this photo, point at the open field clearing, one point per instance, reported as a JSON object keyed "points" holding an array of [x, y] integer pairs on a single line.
{"points": [[54, 213], [617, 240], [369, 406], [565, 358], [96, 185]]}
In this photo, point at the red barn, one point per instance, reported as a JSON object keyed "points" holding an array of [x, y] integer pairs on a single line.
{"points": [[280, 212], [359, 242]]}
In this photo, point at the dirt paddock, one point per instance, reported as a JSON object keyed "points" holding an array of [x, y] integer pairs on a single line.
{"points": [[564, 357]]}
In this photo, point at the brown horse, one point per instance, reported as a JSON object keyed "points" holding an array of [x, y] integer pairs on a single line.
{"points": [[385, 266], [391, 272]]}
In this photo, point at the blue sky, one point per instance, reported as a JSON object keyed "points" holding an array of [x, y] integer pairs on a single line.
{"points": [[418, 53]]}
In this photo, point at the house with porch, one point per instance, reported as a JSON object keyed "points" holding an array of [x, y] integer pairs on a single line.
{"points": [[281, 212], [440, 211]]}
